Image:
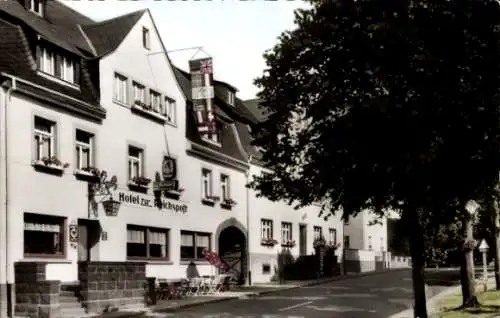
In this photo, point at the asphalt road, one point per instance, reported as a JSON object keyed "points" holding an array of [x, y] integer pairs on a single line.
{"points": [[375, 296]]}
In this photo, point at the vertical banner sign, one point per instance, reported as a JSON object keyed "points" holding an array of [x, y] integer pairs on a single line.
{"points": [[202, 91]]}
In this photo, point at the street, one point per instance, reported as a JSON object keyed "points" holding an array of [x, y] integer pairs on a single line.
{"points": [[371, 296]]}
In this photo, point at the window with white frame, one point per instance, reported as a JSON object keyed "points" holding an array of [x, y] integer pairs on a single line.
{"points": [[193, 244], [36, 6], [332, 235], [224, 184], [370, 247], [121, 88], [147, 243], [286, 232], [47, 60], [44, 139], [230, 97], [84, 144], [170, 109], [206, 183], [139, 93], [266, 229], [67, 70], [44, 235], [145, 38], [318, 232], [57, 65], [155, 99], [135, 162]]}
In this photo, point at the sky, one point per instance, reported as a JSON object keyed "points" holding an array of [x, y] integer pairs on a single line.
{"points": [[235, 33]]}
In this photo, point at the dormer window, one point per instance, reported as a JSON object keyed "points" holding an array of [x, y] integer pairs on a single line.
{"points": [[56, 66], [230, 98], [36, 6], [214, 138]]}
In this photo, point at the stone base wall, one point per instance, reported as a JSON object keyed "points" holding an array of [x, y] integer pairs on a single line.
{"points": [[108, 285], [35, 296]]}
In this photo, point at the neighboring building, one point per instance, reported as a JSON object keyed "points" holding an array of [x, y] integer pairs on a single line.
{"points": [[280, 221]]}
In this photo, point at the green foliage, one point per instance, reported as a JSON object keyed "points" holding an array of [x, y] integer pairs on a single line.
{"points": [[383, 104]]}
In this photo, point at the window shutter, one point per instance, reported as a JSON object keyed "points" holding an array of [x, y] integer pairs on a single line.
{"points": [[58, 67], [38, 57], [77, 72]]}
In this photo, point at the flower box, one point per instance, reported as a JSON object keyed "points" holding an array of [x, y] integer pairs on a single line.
{"points": [[150, 112], [319, 243], [141, 181], [288, 244], [88, 172], [268, 242], [210, 200], [333, 245], [52, 164]]}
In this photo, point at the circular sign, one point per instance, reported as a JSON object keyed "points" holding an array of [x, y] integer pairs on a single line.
{"points": [[169, 168]]}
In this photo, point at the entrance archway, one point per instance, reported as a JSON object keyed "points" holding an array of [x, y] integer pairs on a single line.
{"points": [[232, 249]]}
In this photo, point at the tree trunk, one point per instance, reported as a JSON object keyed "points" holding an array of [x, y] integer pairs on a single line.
{"points": [[417, 270], [496, 237], [469, 298]]}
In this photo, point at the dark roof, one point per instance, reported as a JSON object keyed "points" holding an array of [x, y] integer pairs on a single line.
{"points": [[16, 60], [254, 107], [65, 35], [107, 35]]}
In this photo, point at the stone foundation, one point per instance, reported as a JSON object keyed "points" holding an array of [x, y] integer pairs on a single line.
{"points": [[35, 296], [108, 285]]}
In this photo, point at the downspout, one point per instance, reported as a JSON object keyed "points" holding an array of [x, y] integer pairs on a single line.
{"points": [[247, 175], [5, 197]]}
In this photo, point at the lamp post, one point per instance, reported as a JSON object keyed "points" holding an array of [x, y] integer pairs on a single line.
{"points": [[483, 248]]}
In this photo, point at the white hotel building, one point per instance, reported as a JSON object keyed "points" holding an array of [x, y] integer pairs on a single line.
{"points": [[98, 94]]}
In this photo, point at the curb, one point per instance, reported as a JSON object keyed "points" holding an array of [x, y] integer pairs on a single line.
{"points": [[275, 290]]}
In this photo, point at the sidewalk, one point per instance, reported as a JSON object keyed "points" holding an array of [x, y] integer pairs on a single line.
{"points": [[242, 292], [434, 304]]}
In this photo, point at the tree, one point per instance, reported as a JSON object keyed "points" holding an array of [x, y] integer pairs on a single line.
{"points": [[383, 105]]}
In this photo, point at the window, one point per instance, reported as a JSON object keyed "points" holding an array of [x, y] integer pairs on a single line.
{"points": [[230, 98], [56, 65], [370, 247], [206, 183], [44, 139], [147, 242], [84, 146], [382, 244], [332, 235], [155, 99], [318, 232], [36, 6], [266, 229], [47, 61], [224, 184], [139, 96], [193, 244], [43, 235], [347, 241], [145, 38], [266, 269], [286, 232], [170, 109], [135, 162], [121, 89], [67, 70]]}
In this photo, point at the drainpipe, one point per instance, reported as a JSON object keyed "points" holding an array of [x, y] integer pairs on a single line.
{"points": [[247, 175], [4, 164]]}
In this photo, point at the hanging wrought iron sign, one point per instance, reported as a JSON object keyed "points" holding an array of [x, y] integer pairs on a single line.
{"points": [[169, 168]]}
